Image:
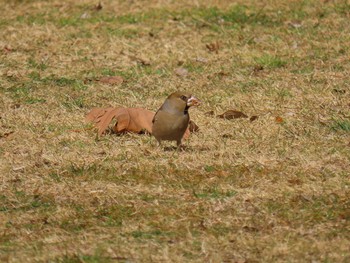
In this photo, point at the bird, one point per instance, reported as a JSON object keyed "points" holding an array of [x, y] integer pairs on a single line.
{"points": [[171, 120]]}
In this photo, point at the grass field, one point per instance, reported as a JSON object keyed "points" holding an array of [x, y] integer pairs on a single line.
{"points": [[276, 189]]}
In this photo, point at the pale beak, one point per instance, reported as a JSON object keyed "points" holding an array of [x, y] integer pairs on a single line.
{"points": [[193, 101]]}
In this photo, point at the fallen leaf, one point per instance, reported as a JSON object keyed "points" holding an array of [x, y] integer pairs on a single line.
{"points": [[213, 47], [111, 80], [294, 24], [7, 49], [279, 119], [128, 119], [140, 60], [193, 127], [85, 15], [340, 91], [295, 181], [143, 61], [180, 63], [222, 74], [253, 118], [182, 72], [134, 120], [257, 68], [97, 7], [15, 106], [18, 168], [202, 60], [232, 114], [209, 113], [6, 134]]}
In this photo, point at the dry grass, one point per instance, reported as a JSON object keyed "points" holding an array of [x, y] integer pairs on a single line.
{"points": [[261, 191]]}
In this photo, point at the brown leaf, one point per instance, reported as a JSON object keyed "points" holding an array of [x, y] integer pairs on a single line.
{"points": [[213, 47], [209, 113], [133, 120], [6, 134], [128, 119], [111, 80], [182, 72], [340, 91], [279, 119], [202, 60], [253, 118], [193, 127], [7, 49], [227, 135], [232, 114], [101, 117], [139, 60], [257, 68], [222, 74], [97, 7]]}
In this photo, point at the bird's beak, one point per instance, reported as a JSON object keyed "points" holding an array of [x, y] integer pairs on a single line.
{"points": [[193, 101]]}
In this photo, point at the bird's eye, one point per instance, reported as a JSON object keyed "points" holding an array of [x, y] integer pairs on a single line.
{"points": [[183, 97]]}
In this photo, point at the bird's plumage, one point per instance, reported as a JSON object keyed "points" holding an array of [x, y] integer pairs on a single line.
{"points": [[171, 120]]}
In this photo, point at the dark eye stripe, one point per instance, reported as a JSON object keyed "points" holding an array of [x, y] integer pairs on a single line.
{"points": [[183, 97]]}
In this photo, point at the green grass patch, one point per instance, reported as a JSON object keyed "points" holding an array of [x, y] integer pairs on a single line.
{"points": [[214, 193], [341, 125], [84, 258], [269, 61]]}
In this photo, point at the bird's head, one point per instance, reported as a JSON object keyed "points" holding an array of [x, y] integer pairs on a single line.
{"points": [[181, 101]]}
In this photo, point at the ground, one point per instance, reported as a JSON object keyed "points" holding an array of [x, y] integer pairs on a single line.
{"points": [[273, 189]]}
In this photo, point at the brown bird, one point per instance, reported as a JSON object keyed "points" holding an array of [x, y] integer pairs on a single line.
{"points": [[171, 120]]}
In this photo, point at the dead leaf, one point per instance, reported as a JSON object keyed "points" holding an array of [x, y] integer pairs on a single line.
{"points": [[222, 74], [6, 134], [182, 72], [213, 47], [227, 135], [111, 80], [134, 120], [128, 119], [143, 61], [85, 15], [232, 114], [138, 59], [340, 91], [201, 60], [97, 7], [193, 127], [294, 24], [257, 69], [209, 113], [279, 119], [253, 118], [18, 168], [15, 106], [7, 49]]}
